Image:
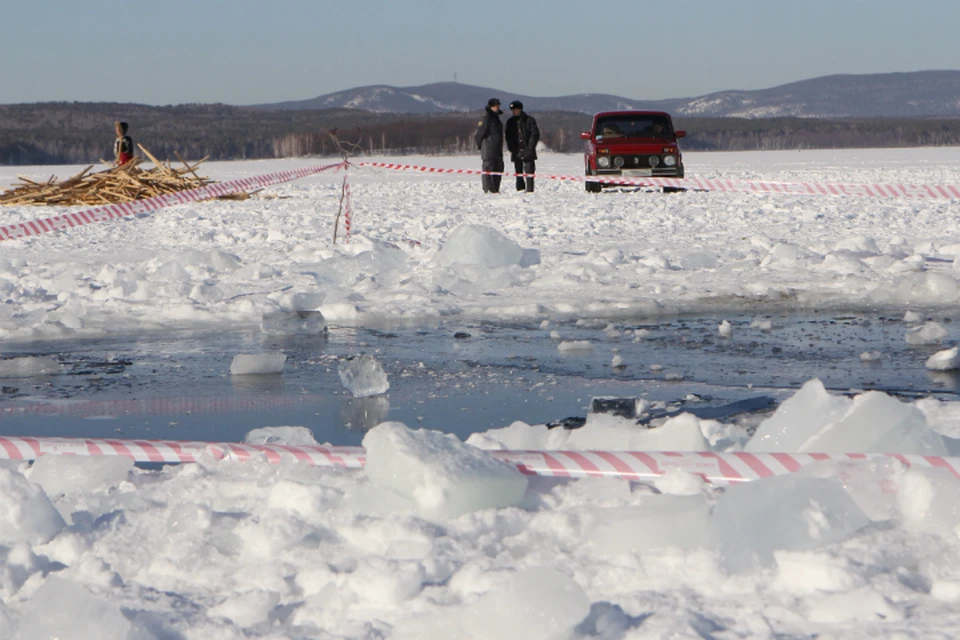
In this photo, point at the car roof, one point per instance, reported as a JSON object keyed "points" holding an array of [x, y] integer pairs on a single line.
{"points": [[630, 113]]}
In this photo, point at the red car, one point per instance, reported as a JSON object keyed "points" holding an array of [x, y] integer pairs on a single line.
{"points": [[632, 144]]}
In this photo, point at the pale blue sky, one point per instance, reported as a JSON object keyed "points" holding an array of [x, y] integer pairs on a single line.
{"points": [[245, 52]]}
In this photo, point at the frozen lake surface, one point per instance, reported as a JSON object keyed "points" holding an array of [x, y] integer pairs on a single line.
{"points": [[487, 313], [455, 378]]}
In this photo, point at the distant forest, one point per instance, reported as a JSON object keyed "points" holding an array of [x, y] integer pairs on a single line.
{"points": [[82, 133]]}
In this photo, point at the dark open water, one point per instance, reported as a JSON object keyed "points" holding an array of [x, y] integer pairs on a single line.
{"points": [[453, 377]]}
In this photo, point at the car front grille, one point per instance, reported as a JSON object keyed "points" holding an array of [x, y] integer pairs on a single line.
{"points": [[635, 162]]}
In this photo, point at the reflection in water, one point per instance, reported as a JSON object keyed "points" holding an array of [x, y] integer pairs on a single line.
{"points": [[257, 383], [295, 322], [361, 414], [945, 379], [295, 342]]}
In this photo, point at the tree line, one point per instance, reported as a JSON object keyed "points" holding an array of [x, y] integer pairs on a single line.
{"points": [[82, 133]]}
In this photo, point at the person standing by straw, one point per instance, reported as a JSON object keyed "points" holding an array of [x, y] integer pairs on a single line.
{"points": [[123, 145]]}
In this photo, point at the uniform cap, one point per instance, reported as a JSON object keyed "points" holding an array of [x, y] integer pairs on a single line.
{"points": [[493, 102], [516, 104]]}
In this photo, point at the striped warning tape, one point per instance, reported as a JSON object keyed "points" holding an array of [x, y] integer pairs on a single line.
{"points": [[713, 467], [878, 190], [115, 211], [127, 209], [629, 465]]}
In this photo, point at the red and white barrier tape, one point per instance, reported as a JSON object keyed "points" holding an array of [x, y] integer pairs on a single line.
{"points": [[629, 465], [126, 209], [472, 172], [347, 207], [713, 467], [20, 448], [115, 211], [878, 190]]}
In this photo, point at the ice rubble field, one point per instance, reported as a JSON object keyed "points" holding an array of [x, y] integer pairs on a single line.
{"points": [[437, 539], [614, 255]]}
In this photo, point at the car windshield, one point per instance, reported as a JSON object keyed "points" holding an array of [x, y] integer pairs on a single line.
{"points": [[653, 126]]}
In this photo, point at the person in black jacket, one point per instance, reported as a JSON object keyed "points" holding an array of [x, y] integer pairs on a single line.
{"points": [[523, 134], [489, 139], [123, 145]]}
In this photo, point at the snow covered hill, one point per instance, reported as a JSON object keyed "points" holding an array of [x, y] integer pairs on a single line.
{"points": [[913, 94]]}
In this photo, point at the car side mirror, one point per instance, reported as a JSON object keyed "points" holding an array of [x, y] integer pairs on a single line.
{"points": [[681, 133], [585, 135]]}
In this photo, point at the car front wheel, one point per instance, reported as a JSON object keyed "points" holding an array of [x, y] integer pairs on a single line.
{"points": [[592, 187]]}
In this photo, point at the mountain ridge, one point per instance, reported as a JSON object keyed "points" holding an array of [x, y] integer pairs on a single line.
{"points": [[930, 93]]}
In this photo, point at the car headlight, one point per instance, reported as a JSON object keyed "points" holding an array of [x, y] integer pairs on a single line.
{"points": [[603, 161], [618, 162], [654, 161], [670, 161]]}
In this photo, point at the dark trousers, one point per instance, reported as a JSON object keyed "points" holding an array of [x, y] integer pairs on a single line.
{"points": [[491, 184], [525, 166]]}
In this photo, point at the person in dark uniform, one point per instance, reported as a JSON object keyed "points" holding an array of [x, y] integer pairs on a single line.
{"points": [[123, 145], [489, 139], [523, 134]]}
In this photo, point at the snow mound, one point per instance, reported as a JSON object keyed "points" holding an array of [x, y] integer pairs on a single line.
{"points": [[479, 245], [60, 474], [601, 431], [537, 602], [792, 512], [611, 433], [65, 610], [659, 521], [26, 513], [930, 501]]}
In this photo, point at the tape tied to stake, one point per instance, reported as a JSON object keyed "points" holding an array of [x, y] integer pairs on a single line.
{"points": [[878, 190], [723, 468]]}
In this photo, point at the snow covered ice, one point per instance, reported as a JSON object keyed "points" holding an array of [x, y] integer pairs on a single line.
{"points": [[725, 329], [927, 333], [435, 539], [363, 376], [945, 360], [814, 420], [437, 473], [246, 364]]}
